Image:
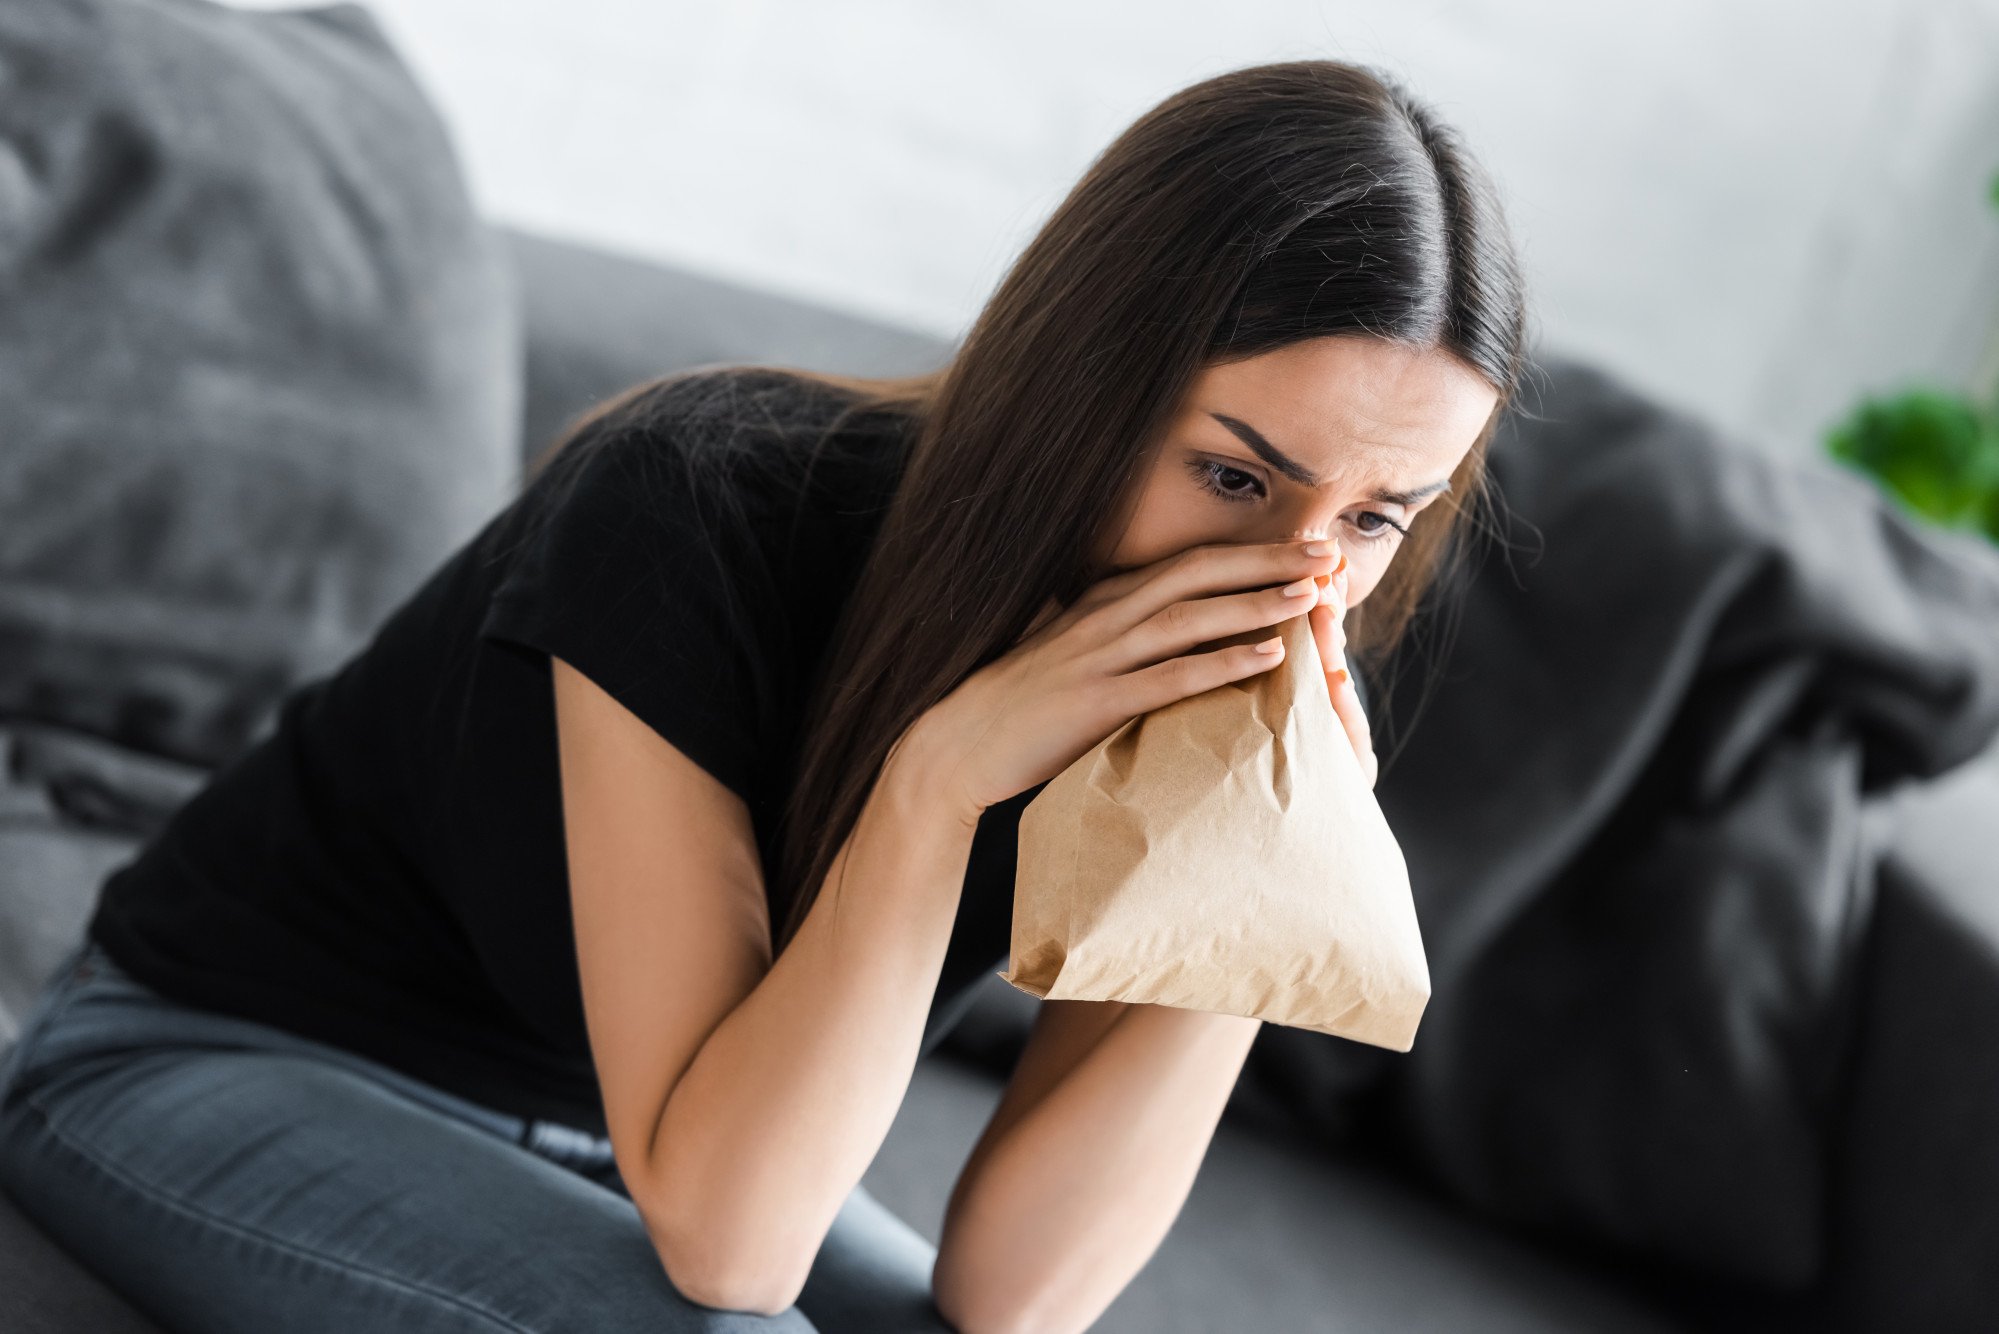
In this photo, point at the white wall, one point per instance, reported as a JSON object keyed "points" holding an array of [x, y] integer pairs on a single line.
{"points": [[1756, 208]]}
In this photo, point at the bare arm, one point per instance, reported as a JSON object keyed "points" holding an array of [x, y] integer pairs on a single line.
{"points": [[1091, 1152], [744, 1100], [1085, 1163]]}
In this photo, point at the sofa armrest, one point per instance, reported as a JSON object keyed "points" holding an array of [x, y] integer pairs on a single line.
{"points": [[1915, 1223]]}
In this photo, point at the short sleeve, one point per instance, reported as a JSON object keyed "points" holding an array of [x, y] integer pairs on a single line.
{"points": [[632, 565]]}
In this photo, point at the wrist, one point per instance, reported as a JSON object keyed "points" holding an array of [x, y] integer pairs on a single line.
{"points": [[921, 775]]}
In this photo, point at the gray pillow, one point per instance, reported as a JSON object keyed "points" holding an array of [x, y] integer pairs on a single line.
{"points": [[259, 360]]}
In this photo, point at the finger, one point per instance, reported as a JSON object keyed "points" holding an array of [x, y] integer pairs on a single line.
{"points": [[1325, 634], [1346, 704], [1162, 683], [1338, 583], [1328, 631], [1333, 588], [1200, 572], [1199, 624]]}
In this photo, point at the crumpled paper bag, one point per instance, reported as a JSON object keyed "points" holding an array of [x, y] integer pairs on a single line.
{"points": [[1225, 853]]}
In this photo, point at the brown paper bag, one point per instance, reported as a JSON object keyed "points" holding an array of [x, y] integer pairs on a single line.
{"points": [[1225, 853]]}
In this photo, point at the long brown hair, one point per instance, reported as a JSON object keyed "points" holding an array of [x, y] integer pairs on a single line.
{"points": [[1248, 211]]}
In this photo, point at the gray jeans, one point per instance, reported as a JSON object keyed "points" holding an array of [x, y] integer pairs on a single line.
{"points": [[226, 1175]]}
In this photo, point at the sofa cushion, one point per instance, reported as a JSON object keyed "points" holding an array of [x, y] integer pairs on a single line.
{"points": [[73, 807], [598, 323], [49, 1292], [1917, 1212], [1282, 1232], [259, 360]]}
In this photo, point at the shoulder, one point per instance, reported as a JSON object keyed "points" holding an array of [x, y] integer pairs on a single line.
{"points": [[737, 410], [718, 479]]}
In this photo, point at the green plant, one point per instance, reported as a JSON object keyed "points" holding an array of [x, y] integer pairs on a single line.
{"points": [[1935, 450]]}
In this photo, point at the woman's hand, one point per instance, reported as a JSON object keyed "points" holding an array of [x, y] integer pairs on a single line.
{"points": [[1329, 627], [1081, 672]]}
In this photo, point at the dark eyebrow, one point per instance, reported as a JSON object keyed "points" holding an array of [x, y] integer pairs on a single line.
{"points": [[1291, 468]]}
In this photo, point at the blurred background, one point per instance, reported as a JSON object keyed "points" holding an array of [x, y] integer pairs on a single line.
{"points": [[1762, 211]]}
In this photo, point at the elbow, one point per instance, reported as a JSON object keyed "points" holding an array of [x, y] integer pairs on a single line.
{"points": [[970, 1318], [973, 1308], [963, 1318], [981, 1285], [711, 1266], [727, 1280], [722, 1289]]}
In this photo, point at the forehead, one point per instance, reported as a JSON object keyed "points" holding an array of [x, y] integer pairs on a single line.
{"points": [[1337, 403]]}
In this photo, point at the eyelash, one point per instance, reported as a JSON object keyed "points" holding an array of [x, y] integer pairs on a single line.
{"points": [[1205, 471]]}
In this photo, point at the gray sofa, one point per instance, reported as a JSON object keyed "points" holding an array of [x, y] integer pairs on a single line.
{"points": [[1290, 1226]]}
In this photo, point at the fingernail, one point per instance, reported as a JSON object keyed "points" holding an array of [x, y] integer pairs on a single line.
{"points": [[1341, 672], [1318, 548], [1301, 588]]}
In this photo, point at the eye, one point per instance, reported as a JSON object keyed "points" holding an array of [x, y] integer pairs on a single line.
{"points": [[1378, 534], [1218, 479], [1238, 486]]}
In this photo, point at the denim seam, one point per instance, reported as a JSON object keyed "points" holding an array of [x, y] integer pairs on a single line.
{"points": [[429, 1097], [174, 1204]]}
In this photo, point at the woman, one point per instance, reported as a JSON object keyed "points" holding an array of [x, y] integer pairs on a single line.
{"points": [[562, 960]]}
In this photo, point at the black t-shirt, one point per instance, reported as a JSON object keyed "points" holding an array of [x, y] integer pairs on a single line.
{"points": [[385, 871]]}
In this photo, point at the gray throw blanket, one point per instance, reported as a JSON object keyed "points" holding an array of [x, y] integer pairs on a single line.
{"points": [[1639, 815]]}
